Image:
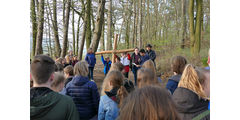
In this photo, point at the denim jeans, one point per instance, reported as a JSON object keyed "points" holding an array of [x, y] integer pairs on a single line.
{"points": [[134, 70], [90, 73]]}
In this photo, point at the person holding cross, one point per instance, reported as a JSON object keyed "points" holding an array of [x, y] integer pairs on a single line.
{"points": [[135, 63], [107, 64]]}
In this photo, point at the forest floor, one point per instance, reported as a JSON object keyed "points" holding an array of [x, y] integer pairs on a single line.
{"points": [[99, 76]]}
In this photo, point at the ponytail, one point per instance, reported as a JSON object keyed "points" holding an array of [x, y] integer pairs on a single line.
{"points": [[122, 93]]}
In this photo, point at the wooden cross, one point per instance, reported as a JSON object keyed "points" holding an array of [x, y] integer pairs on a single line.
{"points": [[114, 51]]}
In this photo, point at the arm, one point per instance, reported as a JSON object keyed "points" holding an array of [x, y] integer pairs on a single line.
{"points": [[101, 113], [95, 97], [94, 59], [129, 57], [153, 56], [103, 61], [86, 58]]}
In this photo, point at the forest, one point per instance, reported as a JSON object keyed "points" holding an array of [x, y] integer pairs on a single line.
{"points": [[172, 27]]}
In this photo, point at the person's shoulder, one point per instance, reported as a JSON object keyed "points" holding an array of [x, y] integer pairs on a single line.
{"points": [[106, 100]]}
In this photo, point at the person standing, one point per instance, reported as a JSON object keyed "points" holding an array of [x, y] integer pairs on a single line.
{"points": [[135, 63], [151, 53], [91, 60], [107, 64], [125, 60], [144, 57], [45, 104]]}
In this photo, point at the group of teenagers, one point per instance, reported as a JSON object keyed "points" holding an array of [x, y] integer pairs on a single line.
{"points": [[70, 93]]}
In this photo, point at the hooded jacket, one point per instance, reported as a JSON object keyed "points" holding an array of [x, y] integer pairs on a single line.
{"points": [[172, 83], [91, 59], [188, 104], [107, 65], [46, 104], [85, 96]]}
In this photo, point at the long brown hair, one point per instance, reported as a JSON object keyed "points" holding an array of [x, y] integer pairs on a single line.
{"points": [[146, 77], [115, 66], [191, 81], [148, 103], [150, 65], [116, 79]]}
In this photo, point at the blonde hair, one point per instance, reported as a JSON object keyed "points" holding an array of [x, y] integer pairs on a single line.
{"points": [[145, 77], [150, 65], [58, 79], [81, 69], [67, 58], [115, 66], [191, 81]]}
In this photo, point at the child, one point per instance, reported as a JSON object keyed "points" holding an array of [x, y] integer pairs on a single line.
{"points": [[148, 103], [125, 60], [190, 97], [68, 73], [150, 65], [146, 77], [177, 65], [58, 82], [68, 61], [74, 60], [83, 92], [107, 64], [109, 103], [91, 60]]}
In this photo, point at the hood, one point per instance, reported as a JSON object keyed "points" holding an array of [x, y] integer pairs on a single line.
{"points": [[80, 80], [42, 101], [176, 77], [188, 102]]}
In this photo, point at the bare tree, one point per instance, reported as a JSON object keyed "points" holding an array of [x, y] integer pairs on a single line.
{"points": [[34, 26], [109, 28]]}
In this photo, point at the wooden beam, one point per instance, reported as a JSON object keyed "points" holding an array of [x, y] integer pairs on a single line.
{"points": [[114, 48], [111, 51]]}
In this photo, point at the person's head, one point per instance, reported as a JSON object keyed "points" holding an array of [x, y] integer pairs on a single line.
{"points": [[150, 65], [107, 59], [70, 52], [58, 82], [114, 67], [58, 67], [115, 80], [59, 60], [90, 51], [204, 79], [67, 58], [142, 52], [146, 77], [75, 58], [192, 80], [117, 59], [148, 103], [42, 69], [81, 69], [68, 71], [148, 47], [136, 50], [178, 64]]}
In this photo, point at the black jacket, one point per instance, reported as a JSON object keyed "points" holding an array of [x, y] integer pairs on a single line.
{"points": [[151, 54], [133, 59], [188, 104]]}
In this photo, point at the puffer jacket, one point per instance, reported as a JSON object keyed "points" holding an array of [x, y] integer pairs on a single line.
{"points": [[85, 96], [91, 59], [172, 83], [189, 105]]}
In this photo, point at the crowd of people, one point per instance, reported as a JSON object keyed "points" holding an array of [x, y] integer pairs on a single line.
{"points": [[64, 89]]}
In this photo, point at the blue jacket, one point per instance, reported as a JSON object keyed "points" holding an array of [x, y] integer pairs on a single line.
{"points": [[108, 109], [85, 96], [106, 65], [144, 58], [172, 83], [91, 59]]}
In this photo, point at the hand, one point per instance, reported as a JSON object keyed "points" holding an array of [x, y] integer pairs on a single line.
{"points": [[139, 60], [138, 65]]}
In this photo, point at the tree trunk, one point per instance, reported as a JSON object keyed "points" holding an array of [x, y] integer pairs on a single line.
{"points": [[191, 23], [78, 30], [80, 52], [88, 20], [109, 28], [49, 33], [34, 27], [98, 25], [197, 43], [55, 28], [134, 23], [65, 30], [140, 24], [40, 28], [102, 43], [184, 24], [73, 29]]}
